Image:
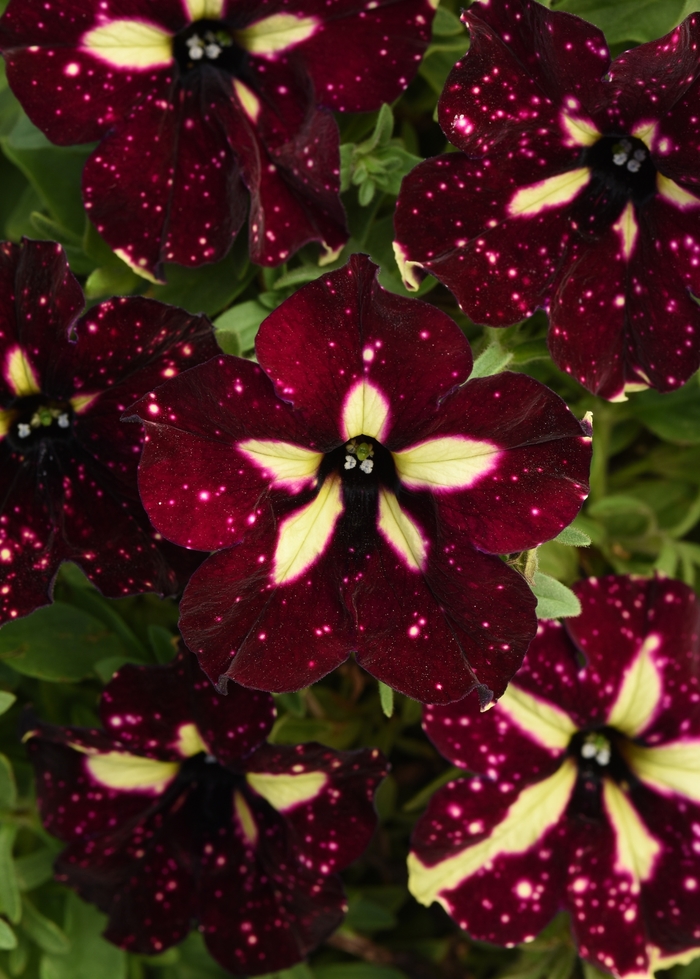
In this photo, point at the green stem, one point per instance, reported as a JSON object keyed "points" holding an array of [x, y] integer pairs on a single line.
{"points": [[602, 427]]}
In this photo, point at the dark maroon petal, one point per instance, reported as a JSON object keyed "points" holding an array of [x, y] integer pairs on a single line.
{"points": [[127, 182], [334, 827], [606, 918], [620, 615], [671, 899], [43, 51], [294, 182], [664, 317], [556, 53], [677, 134], [72, 804], [193, 425], [540, 477], [381, 50], [452, 219], [515, 895], [243, 626], [651, 80], [40, 301], [267, 912], [208, 202], [27, 540], [344, 328], [490, 742], [472, 607]]}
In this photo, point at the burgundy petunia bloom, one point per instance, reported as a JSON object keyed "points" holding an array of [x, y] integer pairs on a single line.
{"points": [[177, 813], [362, 481], [199, 103], [577, 190], [67, 465], [588, 792]]}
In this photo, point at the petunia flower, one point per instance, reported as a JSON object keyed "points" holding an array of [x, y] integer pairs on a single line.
{"points": [[587, 792], [67, 466], [577, 190], [367, 489], [200, 103], [178, 813]]}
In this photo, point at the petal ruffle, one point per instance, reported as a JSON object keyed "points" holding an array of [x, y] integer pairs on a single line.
{"points": [[344, 329]]}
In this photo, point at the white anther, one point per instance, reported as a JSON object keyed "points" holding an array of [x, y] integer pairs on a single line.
{"points": [[350, 447], [196, 53], [24, 431], [63, 421], [619, 159], [640, 155], [588, 750], [350, 463], [634, 166], [367, 466], [212, 51], [603, 756]]}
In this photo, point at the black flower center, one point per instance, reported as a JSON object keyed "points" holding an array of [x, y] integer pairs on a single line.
{"points": [[598, 754], [36, 419], [364, 465], [209, 42], [622, 169], [209, 787]]}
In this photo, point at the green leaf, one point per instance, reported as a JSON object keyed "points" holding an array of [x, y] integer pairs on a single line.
{"points": [[364, 915], [163, 643], [7, 699], [237, 328], [628, 20], [573, 538], [674, 417], [116, 279], [208, 288], [554, 600], [357, 970], [8, 786], [90, 956], [10, 901], [8, 939], [492, 360], [54, 171], [58, 643], [422, 798], [386, 698], [42, 930], [35, 869]]}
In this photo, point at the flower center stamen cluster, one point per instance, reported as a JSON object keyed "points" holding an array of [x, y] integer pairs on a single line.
{"points": [[35, 419], [359, 454], [622, 165], [208, 42]]}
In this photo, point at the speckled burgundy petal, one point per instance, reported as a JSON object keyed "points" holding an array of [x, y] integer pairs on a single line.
{"points": [[344, 327], [515, 506], [135, 162], [239, 623], [619, 614], [382, 47], [489, 743], [555, 53], [452, 218], [472, 607], [192, 428], [511, 900], [208, 201], [315, 824], [43, 43]]}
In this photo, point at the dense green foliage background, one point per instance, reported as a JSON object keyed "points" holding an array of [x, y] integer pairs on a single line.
{"points": [[643, 515]]}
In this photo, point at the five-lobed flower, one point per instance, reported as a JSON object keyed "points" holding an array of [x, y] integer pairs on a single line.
{"points": [[177, 812], [67, 465], [199, 104], [357, 492], [587, 792], [577, 190]]}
